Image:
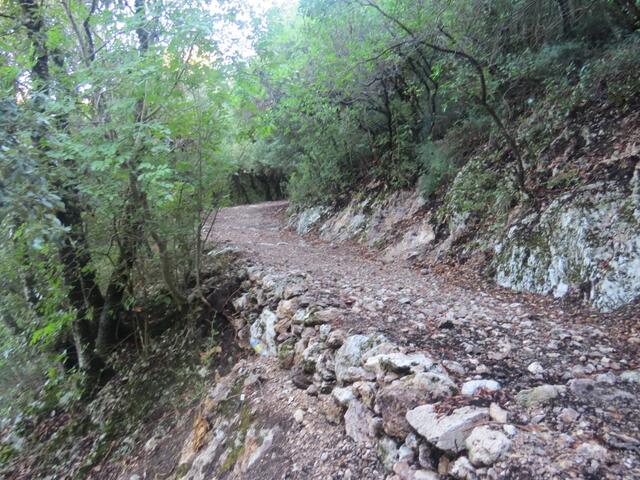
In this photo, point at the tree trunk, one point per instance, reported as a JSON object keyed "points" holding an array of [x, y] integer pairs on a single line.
{"points": [[136, 218], [565, 15], [79, 276]]}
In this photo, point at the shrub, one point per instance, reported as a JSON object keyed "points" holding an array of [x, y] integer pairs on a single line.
{"points": [[436, 165]]}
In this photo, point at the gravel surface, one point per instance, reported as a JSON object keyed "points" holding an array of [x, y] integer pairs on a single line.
{"points": [[477, 331]]}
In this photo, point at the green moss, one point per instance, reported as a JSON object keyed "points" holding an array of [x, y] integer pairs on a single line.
{"points": [[309, 366], [478, 191], [370, 343], [627, 213], [100, 450], [229, 406], [564, 179], [286, 352], [538, 242], [386, 365], [6, 453], [379, 244], [182, 470], [574, 275], [237, 448]]}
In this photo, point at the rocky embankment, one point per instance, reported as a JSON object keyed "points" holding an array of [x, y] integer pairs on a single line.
{"points": [[580, 241], [323, 396]]}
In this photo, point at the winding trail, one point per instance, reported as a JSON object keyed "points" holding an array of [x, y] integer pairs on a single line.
{"points": [[456, 316]]}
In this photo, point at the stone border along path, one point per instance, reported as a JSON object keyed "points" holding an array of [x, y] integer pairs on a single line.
{"points": [[438, 379]]}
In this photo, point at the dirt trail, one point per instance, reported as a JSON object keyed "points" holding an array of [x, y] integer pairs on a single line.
{"points": [[411, 305], [477, 331]]}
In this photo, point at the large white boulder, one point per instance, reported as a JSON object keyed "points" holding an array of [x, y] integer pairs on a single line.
{"points": [[446, 432]]}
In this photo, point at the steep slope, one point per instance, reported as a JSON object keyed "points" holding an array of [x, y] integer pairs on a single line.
{"points": [[575, 235]]}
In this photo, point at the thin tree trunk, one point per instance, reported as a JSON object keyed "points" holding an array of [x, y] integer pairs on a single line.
{"points": [[79, 276], [565, 15], [483, 99]]}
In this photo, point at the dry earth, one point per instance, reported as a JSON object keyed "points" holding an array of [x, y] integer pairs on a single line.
{"points": [[260, 421], [476, 331]]}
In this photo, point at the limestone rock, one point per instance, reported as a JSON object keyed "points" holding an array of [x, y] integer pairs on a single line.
{"points": [[387, 452], [292, 290], [399, 362], [332, 410], [569, 243], [454, 367], [273, 287], [311, 354], [309, 218], [286, 353], [358, 422], [348, 357], [257, 443], [312, 317], [425, 454], [324, 331], [328, 315], [366, 392], [335, 339], [446, 432], [325, 366], [393, 401], [462, 469], [601, 392], [592, 451], [403, 470], [536, 368], [568, 415], [282, 329], [539, 395], [343, 395], [631, 376], [306, 318], [497, 413], [241, 303], [425, 475], [287, 308], [406, 453], [486, 446], [471, 387], [263, 334]]}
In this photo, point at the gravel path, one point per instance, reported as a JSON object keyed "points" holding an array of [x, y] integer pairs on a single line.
{"points": [[478, 331]]}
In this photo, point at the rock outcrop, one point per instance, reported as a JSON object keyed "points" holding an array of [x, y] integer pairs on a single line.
{"points": [[584, 244]]}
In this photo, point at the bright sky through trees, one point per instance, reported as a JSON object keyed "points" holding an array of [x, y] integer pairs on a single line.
{"points": [[236, 36]]}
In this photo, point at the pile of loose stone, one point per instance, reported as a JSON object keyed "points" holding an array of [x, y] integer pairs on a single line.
{"points": [[424, 418]]}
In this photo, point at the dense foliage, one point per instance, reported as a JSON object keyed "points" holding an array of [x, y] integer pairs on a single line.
{"points": [[388, 92], [125, 125], [111, 117]]}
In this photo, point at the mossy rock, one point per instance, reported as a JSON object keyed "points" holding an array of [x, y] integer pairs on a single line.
{"points": [[7, 452], [286, 352], [236, 449]]}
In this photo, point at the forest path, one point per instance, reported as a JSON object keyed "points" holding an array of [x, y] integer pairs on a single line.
{"points": [[475, 330], [461, 316]]}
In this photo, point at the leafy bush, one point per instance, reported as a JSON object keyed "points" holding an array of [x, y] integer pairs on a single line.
{"points": [[478, 191], [437, 166], [616, 71]]}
